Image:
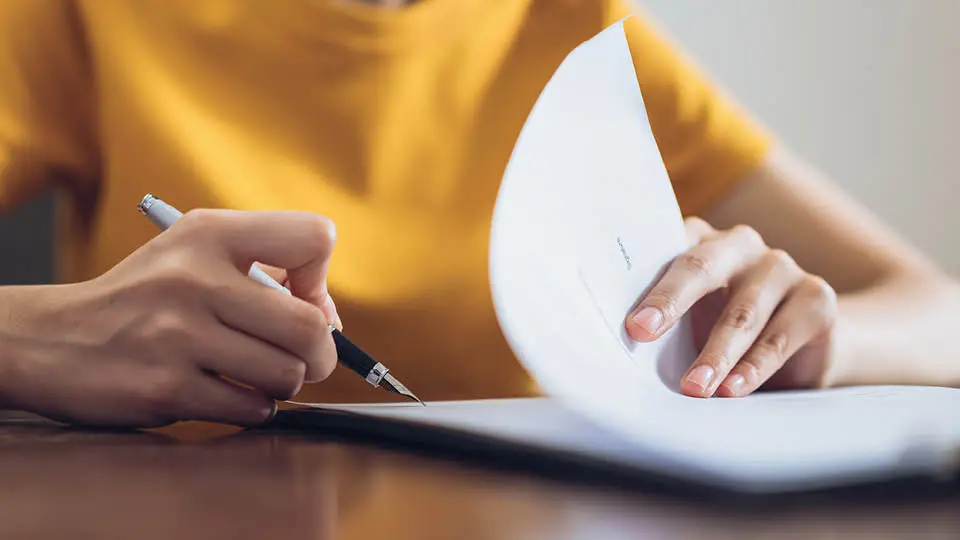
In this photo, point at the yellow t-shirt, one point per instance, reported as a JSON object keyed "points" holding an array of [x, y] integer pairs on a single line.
{"points": [[396, 123]]}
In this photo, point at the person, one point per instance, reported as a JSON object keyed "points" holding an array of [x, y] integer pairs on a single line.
{"points": [[394, 121]]}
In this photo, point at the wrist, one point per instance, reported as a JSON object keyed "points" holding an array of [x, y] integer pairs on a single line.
{"points": [[24, 323], [10, 345], [8, 371]]}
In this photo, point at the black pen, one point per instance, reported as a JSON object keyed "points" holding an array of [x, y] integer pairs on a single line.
{"points": [[356, 359]]}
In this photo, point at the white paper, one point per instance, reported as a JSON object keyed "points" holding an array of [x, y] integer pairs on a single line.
{"points": [[585, 222], [545, 424]]}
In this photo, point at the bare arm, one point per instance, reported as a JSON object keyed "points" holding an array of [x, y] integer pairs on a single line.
{"points": [[899, 315]]}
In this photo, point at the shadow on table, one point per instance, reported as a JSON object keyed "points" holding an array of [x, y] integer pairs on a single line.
{"points": [[60, 482], [484, 453]]}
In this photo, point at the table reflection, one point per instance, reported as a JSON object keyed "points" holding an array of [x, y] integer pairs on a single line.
{"points": [[150, 488], [60, 483]]}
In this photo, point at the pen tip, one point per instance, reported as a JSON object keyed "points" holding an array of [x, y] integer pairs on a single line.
{"points": [[391, 383]]}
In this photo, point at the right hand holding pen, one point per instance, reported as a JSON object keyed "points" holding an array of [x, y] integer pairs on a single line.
{"points": [[154, 340]]}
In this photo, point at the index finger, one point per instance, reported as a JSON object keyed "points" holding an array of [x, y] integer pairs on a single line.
{"points": [[299, 242], [703, 269]]}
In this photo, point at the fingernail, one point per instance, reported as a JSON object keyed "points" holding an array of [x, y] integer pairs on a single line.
{"points": [[330, 310], [649, 318], [272, 414], [701, 376], [734, 384], [338, 323]]}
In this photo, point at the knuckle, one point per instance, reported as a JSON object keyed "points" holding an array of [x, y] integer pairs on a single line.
{"points": [[166, 327], [291, 378], [198, 219], [818, 286], [721, 361], [740, 317], [322, 230], [824, 295], [748, 234], [665, 301], [163, 390], [750, 370], [696, 263], [697, 230], [696, 224], [781, 258], [694, 221], [176, 276], [771, 345]]}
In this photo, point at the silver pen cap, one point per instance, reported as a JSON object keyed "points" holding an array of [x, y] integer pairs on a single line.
{"points": [[158, 212]]}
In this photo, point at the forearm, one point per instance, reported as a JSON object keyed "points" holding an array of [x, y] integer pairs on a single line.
{"points": [[901, 331]]}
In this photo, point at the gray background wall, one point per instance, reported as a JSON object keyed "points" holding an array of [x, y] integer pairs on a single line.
{"points": [[866, 89], [26, 238]]}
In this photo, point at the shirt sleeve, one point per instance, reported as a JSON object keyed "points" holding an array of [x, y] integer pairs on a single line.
{"points": [[706, 141], [46, 105]]}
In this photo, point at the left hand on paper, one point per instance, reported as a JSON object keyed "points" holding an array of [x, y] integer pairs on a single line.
{"points": [[758, 318]]}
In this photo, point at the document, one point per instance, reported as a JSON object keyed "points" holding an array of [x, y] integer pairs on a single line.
{"points": [[757, 459], [584, 223]]}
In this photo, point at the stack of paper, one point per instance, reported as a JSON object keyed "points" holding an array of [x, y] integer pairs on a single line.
{"points": [[585, 221]]}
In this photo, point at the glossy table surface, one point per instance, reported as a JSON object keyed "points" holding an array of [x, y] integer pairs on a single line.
{"points": [[204, 481]]}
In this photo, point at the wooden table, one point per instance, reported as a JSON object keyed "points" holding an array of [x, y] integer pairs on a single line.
{"points": [[61, 483]]}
